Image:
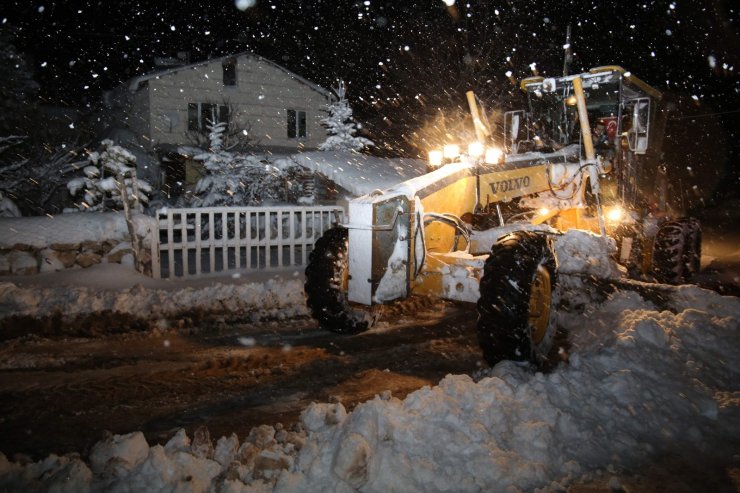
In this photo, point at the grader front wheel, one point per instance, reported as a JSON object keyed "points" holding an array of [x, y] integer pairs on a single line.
{"points": [[326, 286], [516, 309], [540, 304]]}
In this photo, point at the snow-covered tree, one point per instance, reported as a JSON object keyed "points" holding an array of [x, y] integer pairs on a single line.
{"points": [[37, 149], [34, 172], [341, 127], [110, 175], [235, 178]]}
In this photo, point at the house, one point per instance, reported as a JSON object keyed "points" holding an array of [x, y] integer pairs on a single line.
{"points": [[280, 110]]}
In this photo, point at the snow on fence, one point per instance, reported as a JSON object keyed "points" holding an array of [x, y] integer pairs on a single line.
{"points": [[194, 242]]}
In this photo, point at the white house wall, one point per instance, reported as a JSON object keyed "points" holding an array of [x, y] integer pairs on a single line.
{"points": [[132, 111], [262, 96], [140, 118]]}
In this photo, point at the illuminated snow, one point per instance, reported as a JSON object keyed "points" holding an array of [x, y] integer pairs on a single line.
{"points": [[639, 381]]}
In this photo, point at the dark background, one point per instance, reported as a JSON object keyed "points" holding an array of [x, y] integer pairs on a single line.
{"points": [[407, 62]]}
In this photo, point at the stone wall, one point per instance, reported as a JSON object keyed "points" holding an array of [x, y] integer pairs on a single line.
{"points": [[28, 260], [33, 245]]}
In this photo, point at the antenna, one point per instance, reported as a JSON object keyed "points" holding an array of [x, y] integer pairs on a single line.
{"points": [[568, 52]]}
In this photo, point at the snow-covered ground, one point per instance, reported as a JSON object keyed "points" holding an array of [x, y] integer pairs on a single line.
{"points": [[638, 381], [117, 289], [71, 228]]}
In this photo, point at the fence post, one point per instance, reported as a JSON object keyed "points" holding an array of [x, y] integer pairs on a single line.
{"points": [[156, 269]]}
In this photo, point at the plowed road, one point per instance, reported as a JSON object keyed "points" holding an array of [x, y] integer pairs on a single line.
{"points": [[61, 395]]}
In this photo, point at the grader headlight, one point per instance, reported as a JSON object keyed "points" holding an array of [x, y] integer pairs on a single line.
{"points": [[494, 155], [615, 214], [475, 149], [451, 151], [435, 158]]}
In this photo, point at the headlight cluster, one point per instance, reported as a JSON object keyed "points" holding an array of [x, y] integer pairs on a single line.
{"points": [[476, 151], [615, 214]]}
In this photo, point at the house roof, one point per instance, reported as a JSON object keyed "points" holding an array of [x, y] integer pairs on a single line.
{"points": [[135, 83]]}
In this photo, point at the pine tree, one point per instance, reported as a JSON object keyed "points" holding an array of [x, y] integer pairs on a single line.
{"points": [[235, 178], [341, 127]]}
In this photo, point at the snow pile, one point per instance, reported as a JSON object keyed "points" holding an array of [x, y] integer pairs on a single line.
{"points": [[128, 463], [71, 228], [638, 383], [359, 174], [275, 298], [659, 381], [585, 253], [579, 252]]}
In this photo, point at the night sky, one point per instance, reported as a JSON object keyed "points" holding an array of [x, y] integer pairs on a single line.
{"points": [[403, 61]]}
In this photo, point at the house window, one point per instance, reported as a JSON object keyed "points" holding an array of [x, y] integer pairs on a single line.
{"points": [[296, 124], [200, 115], [229, 67]]}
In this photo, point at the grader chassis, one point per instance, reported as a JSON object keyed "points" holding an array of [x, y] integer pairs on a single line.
{"points": [[480, 226]]}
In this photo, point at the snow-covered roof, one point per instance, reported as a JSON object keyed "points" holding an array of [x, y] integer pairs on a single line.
{"points": [[360, 174], [135, 83]]}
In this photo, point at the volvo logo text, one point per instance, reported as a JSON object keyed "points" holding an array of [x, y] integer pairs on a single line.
{"points": [[510, 184]]}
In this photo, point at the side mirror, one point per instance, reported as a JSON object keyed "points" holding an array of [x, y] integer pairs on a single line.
{"points": [[512, 126], [639, 131], [514, 131]]}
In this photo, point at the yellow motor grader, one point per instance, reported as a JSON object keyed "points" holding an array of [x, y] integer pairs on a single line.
{"points": [[480, 226]]}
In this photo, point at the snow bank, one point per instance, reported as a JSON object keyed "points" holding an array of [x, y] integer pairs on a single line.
{"points": [[638, 382], [70, 228], [657, 381], [274, 298]]}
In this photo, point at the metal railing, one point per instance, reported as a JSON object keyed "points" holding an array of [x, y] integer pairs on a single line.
{"points": [[202, 241]]}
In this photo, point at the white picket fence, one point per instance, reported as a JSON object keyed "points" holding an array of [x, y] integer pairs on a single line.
{"points": [[202, 241]]}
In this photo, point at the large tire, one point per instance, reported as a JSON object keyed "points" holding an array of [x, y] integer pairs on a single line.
{"points": [[326, 286], [677, 251], [517, 317], [692, 249]]}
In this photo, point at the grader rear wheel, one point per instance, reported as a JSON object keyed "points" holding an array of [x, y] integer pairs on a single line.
{"points": [[692, 250], [677, 251], [327, 278], [517, 319]]}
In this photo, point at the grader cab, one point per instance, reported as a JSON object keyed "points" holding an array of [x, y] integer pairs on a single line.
{"points": [[480, 226]]}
